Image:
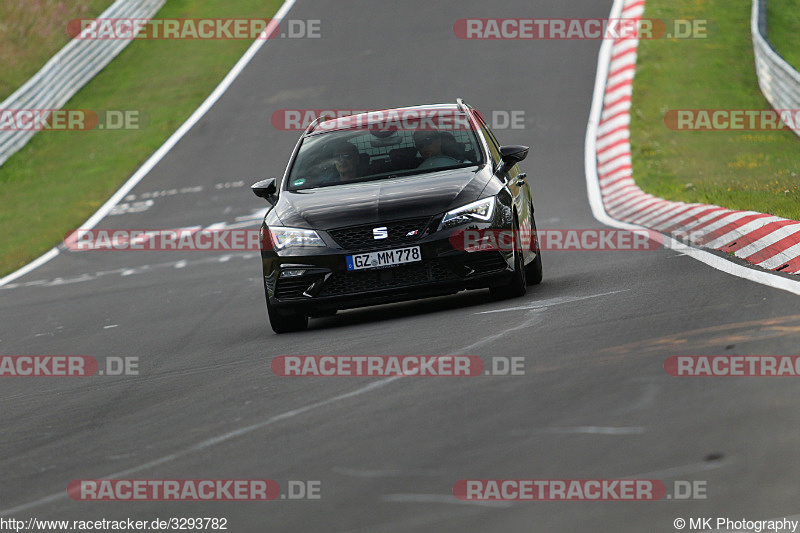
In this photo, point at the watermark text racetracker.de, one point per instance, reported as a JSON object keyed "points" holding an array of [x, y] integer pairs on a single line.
{"points": [[67, 366], [581, 29], [735, 524], [73, 119], [83, 240], [411, 120], [732, 119], [193, 489], [470, 240], [578, 490], [733, 365], [475, 240], [396, 365], [193, 29]]}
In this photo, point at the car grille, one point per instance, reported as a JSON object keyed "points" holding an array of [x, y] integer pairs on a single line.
{"points": [[387, 278], [360, 237], [293, 287]]}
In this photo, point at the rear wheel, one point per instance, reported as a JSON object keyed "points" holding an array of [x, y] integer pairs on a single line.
{"points": [[286, 321], [518, 285]]}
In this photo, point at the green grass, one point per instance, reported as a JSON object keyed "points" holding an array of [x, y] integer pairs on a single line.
{"points": [[32, 31], [783, 25], [755, 170], [60, 178]]}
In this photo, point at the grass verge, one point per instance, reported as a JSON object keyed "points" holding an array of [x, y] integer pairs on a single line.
{"points": [[60, 178], [756, 170], [783, 25]]}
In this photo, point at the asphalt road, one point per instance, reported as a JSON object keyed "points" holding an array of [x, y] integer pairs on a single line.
{"points": [[594, 334]]}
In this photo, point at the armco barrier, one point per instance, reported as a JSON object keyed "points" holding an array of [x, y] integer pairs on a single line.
{"points": [[69, 70], [778, 80]]}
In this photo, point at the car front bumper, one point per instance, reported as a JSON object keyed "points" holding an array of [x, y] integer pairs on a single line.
{"points": [[326, 284]]}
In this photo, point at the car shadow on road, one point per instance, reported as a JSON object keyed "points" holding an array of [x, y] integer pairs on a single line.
{"points": [[380, 313], [474, 300]]}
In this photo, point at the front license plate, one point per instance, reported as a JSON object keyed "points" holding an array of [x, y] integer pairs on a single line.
{"points": [[385, 258]]}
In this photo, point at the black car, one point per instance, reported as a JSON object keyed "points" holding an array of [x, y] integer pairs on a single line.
{"points": [[372, 207]]}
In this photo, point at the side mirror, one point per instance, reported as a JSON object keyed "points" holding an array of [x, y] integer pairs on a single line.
{"points": [[513, 154], [265, 189]]}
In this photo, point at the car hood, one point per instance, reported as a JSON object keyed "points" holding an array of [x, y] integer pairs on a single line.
{"points": [[381, 200]]}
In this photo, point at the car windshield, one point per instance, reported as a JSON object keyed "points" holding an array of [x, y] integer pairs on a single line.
{"points": [[356, 155]]}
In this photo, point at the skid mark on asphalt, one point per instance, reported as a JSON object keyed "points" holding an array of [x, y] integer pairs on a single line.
{"points": [[723, 337], [386, 472], [439, 498], [682, 470]]}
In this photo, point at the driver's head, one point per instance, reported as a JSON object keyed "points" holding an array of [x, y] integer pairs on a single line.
{"points": [[345, 157], [429, 143]]}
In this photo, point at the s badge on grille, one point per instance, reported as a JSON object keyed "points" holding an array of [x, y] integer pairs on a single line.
{"points": [[380, 233]]}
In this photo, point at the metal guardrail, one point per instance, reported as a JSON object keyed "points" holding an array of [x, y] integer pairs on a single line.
{"points": [[69, 70], [778, 80]]}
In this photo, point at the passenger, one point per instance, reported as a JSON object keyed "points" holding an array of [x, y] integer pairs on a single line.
{"points": [[429, 144]]}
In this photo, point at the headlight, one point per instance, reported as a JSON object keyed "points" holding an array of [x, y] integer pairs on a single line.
{"points": [[480, 210], [286, 237]]}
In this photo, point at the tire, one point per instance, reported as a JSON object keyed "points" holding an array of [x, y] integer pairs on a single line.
{"points": [[283, 321], [533, 270], [518, 285]]}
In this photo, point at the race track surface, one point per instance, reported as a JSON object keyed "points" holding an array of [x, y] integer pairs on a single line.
{"points": [[594, 334]]}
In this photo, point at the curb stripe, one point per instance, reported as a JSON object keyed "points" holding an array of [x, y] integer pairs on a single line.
{"points": [[759, 238]]}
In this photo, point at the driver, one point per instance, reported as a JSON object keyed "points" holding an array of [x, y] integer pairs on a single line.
{"points": [[345, 158], [429, 145]]}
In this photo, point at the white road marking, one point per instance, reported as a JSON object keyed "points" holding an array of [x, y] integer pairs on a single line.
{"points": [[547, 303], [131, 207], [163, 193], [229, 185], [130, 271], [588, 430]]}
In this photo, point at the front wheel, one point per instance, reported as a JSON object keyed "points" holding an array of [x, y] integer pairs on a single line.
{"points": [[285, 321], [518, 285], [533, 270]]}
